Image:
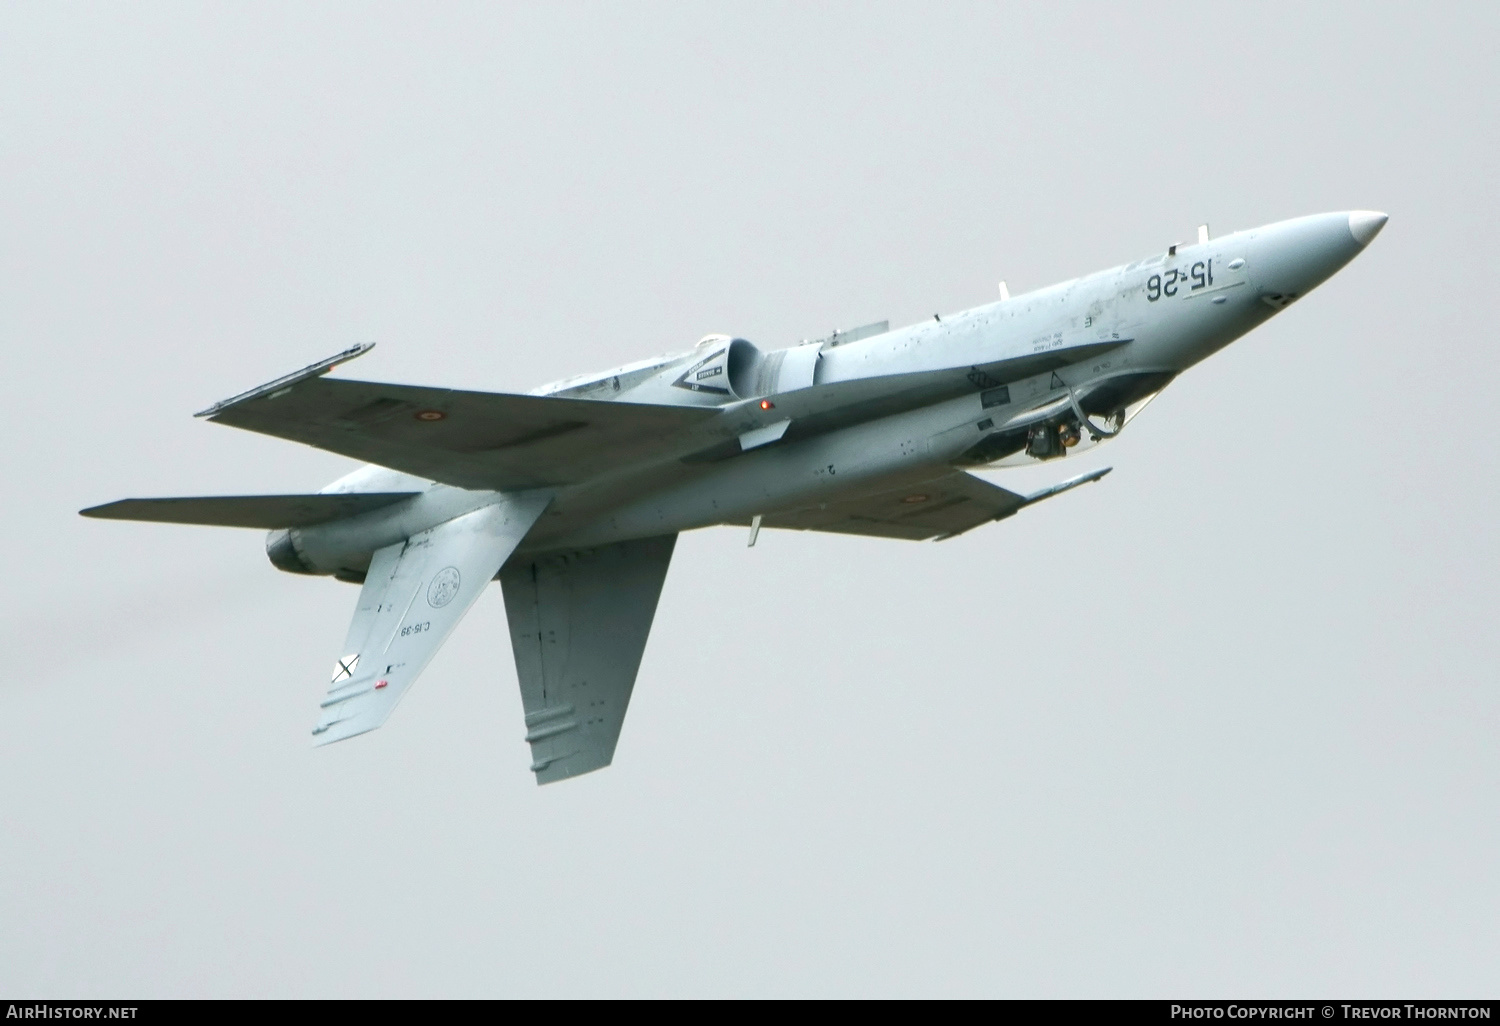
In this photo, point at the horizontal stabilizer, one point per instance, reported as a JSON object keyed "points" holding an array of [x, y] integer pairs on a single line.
{"points": [[476, 440], [268, 512]]}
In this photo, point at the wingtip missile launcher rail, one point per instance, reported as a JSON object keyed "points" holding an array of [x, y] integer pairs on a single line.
{"points": [[277, 388]]}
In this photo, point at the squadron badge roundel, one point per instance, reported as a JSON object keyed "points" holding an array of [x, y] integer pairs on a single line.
{"points": [[443, 587]]}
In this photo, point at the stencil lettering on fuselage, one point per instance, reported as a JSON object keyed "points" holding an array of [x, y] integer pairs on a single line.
{"points": [[711, 368]]}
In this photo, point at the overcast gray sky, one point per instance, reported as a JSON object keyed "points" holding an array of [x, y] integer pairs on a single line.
{"points": [[1223, 724]]}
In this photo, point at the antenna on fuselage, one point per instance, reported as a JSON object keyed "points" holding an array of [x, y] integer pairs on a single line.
{"points": [[1004, 292]]}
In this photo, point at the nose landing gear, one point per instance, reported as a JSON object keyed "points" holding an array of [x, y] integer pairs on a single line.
{"points": [[1051, 439]]}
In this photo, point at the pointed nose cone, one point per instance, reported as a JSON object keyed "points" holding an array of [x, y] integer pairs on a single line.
{"points": [[1364, 225], [1294, 257]]}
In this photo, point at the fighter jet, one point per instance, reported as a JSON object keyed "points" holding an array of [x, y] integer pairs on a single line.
{"points": [[573, 495]]}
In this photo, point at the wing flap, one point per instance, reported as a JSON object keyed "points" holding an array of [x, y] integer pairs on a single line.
{"points": [[268, 512], [578, 626], [478, 440]]}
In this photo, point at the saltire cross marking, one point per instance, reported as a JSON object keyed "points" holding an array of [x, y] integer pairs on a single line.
{"points": [[344, 669]]}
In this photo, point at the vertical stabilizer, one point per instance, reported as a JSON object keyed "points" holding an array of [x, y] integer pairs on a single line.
{"points": [[414, 594], [578, 626]]}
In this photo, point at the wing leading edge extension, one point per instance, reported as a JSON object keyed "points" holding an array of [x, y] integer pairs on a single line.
{"points": [[477, 440], [578, 627], [414, 594]]}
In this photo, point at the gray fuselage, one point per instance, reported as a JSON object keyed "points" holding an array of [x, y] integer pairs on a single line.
{"points": [[1030, 378]]}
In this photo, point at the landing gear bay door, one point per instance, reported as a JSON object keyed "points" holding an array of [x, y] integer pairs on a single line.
{"points": [[578, 626], [414, 594]]}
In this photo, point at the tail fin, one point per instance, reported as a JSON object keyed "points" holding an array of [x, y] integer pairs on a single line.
{"points": [[578, 627], [414, 595]]}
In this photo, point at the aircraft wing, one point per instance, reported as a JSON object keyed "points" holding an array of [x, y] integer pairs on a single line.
{"points": [[264, 511], [918, 510], [578, 627], [477, 440], [414, 594]]}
